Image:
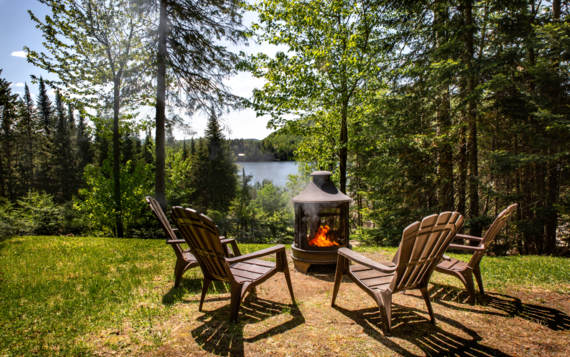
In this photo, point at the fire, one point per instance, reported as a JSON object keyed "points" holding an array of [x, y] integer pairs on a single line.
{"points": [[321, 240]]}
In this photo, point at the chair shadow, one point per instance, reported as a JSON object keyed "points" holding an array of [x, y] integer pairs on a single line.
{"points": [[219, 336], [193, 286], [410, 326], [507, 306]]}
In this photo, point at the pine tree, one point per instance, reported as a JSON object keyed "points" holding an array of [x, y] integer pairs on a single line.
{"points": [[26, 139], [44, 106], [43, 178], [64, 170], [184, 151], [214, 173], [8, 113], [147, 149], [84, 148], [189, 45]]}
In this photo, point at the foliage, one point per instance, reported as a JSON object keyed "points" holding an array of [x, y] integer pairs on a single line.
{"points": [[333, 54], [95, 202], [262, 213], [282, 143], [457, 105], [96, 48]]}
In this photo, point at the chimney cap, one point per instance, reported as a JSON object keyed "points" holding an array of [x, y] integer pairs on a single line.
{"points": [[321, 190]]}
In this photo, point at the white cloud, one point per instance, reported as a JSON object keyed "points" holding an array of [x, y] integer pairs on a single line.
{"points": [[21, 54], [18, 84]]}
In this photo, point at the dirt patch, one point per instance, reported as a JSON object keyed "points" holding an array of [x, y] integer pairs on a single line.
{"points": [[507, 322]]}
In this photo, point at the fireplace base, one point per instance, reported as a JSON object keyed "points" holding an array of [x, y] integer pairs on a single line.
{"points": [[303, 259]]}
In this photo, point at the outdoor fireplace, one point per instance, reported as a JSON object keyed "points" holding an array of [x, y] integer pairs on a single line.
{"points": [[321, 222]]}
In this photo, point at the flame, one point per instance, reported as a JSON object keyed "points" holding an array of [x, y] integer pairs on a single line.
{"points": [[321, 240]]}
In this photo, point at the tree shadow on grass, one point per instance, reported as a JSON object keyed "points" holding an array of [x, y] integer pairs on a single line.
{"points": [[219, 336], [507, 306], [410, 326]]}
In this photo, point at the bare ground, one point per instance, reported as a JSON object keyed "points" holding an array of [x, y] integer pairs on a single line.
{"points": [[510, 322]]}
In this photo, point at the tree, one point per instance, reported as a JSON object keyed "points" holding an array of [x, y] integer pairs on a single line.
{"points": [[26, 138], [213, 173], [189, 45], [64, 170], [333, 49], [93, 45], [83, 144], [8, 112], [44, 106]]}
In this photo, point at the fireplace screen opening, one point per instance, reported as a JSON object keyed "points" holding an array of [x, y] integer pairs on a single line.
{"points": [[325, 230]]}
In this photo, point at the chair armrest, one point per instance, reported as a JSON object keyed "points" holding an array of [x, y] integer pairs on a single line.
{"points": [[467, 247], [361, 259], [233, 243], [466, 236], [259, 253], [175, 241]]}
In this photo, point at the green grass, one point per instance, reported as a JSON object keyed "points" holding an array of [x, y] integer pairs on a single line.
{"points": [[57, 294]]}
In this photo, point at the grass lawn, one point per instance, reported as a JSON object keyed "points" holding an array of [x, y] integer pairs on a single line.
{"points": [[71, 296]]}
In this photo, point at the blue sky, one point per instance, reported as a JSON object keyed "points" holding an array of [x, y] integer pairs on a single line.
{"points": [[17, 30]]}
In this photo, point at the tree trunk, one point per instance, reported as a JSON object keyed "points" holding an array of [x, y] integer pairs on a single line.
{"points": [[462, 184], [445, 192], [117, 158], [160, 186], [553, 193], [471, 115], [343, 153]]}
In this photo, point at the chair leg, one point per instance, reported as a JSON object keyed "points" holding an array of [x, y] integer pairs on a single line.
{"points": [[468, 281], [425, 294], [179, 271], [384, 301], [289, 284], [340, 268], [477, 273], [205, 286], [235, 301]]}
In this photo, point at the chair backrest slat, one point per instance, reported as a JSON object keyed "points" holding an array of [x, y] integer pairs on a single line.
{"points": [[422, 246], [202, 236], [492, 232], [166, 227]]}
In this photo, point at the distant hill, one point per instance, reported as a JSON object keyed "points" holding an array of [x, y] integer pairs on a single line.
{"points": [[278, 146]]}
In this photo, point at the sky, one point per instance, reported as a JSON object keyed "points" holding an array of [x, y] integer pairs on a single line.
{"points": [[17, 30]]}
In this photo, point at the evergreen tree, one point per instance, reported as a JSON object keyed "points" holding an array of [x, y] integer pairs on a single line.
{"points": [[26, 140], [147, 149], [101, 143], [44, 179], [189, 35], [44, 106], [213, 173], [83, 144], [184, 150], [8, 114], [64, 169]]}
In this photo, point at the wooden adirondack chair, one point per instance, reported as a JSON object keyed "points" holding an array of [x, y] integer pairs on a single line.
{"points": [[420, 249], [243, 272], [184, 259], [465, 271]]}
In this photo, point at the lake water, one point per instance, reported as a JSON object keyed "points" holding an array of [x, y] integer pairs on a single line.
{"points": [[275, 171]]}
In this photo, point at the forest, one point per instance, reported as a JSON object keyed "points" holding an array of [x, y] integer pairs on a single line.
{"points": [[416, 108]]}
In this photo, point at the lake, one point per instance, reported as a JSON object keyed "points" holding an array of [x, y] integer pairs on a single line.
{"points": [[275, 171]]}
